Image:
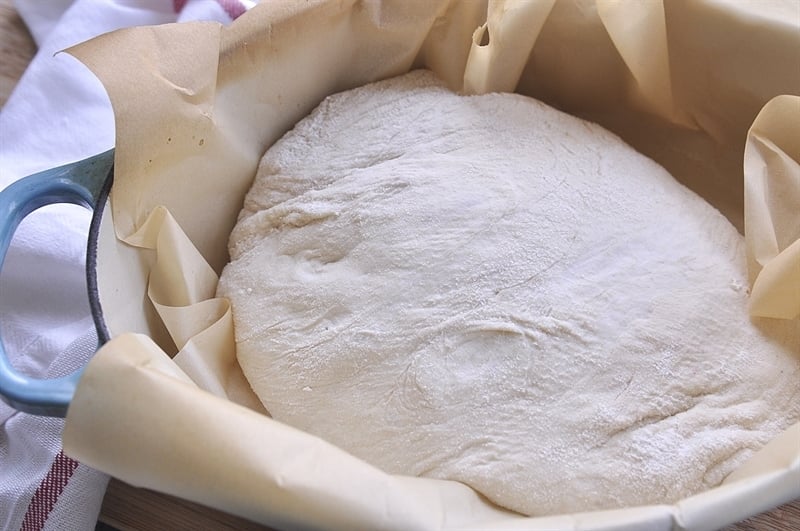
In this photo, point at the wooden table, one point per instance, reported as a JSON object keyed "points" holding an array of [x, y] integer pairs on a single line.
{"points": [[129, 508]]}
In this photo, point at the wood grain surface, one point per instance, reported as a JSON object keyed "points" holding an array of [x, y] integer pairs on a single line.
{"points": [[16, 49], [132, 509]]}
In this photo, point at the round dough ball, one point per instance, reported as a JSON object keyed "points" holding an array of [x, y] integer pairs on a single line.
{"points": [[488, 290]]}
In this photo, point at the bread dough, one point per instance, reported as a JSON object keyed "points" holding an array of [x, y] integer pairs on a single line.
{"points": [[488, 290]]}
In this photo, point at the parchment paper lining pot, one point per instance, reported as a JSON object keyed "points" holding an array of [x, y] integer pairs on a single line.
{"points": [[197, 104]]}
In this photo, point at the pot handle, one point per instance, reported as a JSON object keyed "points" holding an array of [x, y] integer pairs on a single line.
{"points": [[77, 183]]}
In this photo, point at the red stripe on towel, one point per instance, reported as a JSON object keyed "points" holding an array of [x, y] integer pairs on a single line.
{"points": [[233, 8], [46, 495]]}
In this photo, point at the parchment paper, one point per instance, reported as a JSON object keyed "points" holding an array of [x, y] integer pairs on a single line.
{"points": [[197, 104]]}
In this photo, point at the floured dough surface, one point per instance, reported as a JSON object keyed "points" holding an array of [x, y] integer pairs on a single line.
{"points": [[487, 290]]}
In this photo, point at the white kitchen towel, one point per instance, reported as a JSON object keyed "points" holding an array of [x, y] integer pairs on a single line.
{"points": [[59, 113]]}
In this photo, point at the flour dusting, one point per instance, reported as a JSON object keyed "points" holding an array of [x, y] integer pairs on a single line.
{"points": [[488, 290]]}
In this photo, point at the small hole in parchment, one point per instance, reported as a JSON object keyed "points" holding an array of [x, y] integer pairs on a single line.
{"points": [[484, 37]]}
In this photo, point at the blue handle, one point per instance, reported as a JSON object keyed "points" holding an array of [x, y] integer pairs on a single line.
{"points": [[77, 183]]}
